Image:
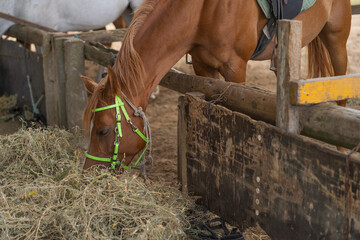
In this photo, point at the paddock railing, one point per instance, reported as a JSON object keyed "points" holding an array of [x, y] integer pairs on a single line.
{"points": [[249, 172]]}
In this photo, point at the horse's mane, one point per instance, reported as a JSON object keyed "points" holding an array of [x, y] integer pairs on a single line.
{"points": [[129, 68], [98, 97]]}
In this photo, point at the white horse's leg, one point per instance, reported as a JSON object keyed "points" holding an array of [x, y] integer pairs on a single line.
{"points": [[155, 92], [128, 15], [100, 72], [134, 4]]}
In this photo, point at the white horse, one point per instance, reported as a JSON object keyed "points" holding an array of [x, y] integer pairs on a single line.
{"points": [[68, 15]]}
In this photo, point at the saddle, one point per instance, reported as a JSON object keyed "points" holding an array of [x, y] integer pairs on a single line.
{"points": [[275, 10], [281, 9]]}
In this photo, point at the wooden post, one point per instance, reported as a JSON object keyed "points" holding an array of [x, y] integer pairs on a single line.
{"points": [[75, 94], [51, 92], [288, 59], [59, 87], [182, 164], [182, 161]]}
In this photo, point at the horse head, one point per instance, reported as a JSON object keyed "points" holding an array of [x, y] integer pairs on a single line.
{"points": [[114, 123]]}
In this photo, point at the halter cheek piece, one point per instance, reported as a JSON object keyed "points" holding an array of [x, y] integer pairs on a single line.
{"points": [[119, 105]]}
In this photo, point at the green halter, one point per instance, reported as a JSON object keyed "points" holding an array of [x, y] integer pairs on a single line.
{"points": [[119, 104]]}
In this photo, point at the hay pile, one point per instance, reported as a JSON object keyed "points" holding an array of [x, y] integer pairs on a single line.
{"points": [[45, 195]]}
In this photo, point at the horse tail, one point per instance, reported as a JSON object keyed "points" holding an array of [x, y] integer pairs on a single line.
{"points": [[319, 62]]}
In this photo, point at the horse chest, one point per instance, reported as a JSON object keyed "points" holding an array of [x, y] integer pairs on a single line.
{"points": [[213, 58]]}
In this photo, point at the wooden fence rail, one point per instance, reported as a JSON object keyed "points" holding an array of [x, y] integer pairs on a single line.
{"points": [[317, 90], [355, 9]]}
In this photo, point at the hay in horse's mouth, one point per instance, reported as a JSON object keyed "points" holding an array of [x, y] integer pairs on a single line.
{"points": [[45, 194]]}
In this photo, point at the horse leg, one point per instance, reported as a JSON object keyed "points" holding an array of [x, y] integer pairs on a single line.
{"points": [[127, 16], [119, 23], [338, 55], [334, 36]]}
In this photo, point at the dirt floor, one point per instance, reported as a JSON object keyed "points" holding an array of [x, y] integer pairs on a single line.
{"points": [[162, 112]]}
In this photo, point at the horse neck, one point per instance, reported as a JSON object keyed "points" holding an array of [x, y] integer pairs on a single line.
{"points": [[167, 34]]}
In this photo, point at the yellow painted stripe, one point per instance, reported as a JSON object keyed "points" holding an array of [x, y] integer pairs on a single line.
{"points": [[319, 90]]}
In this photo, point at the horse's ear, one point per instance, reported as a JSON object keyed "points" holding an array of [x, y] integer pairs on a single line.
{"points": [[89, 84], [112, 84]]}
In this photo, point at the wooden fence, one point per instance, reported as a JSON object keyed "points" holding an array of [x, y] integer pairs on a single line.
{"points": [[251, 172], [63, 58]]}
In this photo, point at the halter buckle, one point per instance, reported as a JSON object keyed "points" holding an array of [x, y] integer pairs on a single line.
{"points": [[134, 128]]}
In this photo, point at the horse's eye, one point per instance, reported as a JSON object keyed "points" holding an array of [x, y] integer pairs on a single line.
{"points": [[103, 132]]}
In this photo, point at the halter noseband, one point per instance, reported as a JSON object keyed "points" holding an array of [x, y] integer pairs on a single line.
{"points": [[119, 104]]}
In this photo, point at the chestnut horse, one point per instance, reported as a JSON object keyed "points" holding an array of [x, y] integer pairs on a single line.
{"points": [[221, 36]]}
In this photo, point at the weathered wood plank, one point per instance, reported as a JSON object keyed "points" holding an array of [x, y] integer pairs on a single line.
{"points": [[100, 56], [355, 9], [329, 122], [260, 105], [257, 103], [59, 86], [75, 94], [16, 63], [50, 84], [181, 141], [250, 172], [317, 90], [288, 59], [27, 34], [103, 36]]}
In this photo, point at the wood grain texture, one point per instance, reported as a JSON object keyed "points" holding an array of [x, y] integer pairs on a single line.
{"points": [[318, 121], [181, 137], [317, 90], [103, 36], [75, 93], [59, 86], [15, 64], [288, 59], [251, 172], [27, 34]]}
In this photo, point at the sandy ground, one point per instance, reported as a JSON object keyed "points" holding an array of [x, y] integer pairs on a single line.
{"points": [[162, 112]]}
